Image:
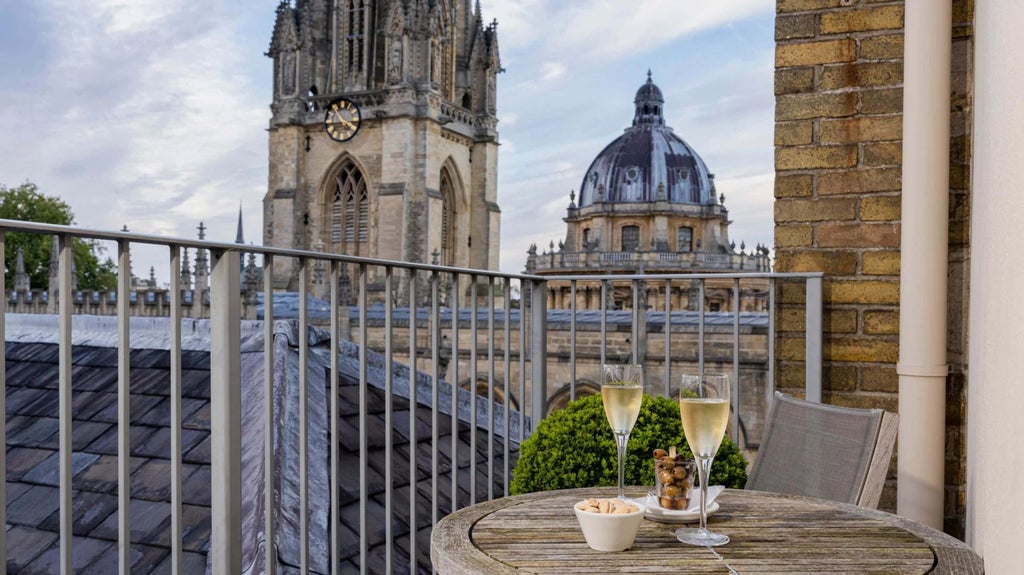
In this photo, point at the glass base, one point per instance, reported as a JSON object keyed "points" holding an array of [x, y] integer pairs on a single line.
{"points": [[704, 538]]}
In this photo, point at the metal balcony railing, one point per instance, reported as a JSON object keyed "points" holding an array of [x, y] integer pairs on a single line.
{"points": [[451, 328]]}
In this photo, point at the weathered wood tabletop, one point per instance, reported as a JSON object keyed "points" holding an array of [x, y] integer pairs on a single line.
{"points": [[771, 533]]}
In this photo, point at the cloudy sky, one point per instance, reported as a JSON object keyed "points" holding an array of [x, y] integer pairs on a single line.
{"points": [[152, 113]]}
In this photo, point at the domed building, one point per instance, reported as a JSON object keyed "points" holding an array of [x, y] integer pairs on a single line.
{"points": [[648, 205]]}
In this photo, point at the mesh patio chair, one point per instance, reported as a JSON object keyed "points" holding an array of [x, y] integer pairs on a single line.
{"points": [[824, 451]]}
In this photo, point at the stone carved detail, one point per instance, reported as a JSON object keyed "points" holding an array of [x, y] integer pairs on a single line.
{"points": [[288, 73], [395, 61]]}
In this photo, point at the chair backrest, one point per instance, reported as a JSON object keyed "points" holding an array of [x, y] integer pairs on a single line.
{"points": [[824, 451]]}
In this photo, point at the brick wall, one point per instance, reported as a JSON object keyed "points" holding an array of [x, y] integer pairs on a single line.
{"points": [[838, 148]]}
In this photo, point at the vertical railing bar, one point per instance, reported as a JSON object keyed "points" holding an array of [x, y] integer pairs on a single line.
{"points": [[334, 436], [269, 421], [523, 306], [453, 380], [413, 438], [176, 451], [389, 380], [3, 406], [64, 409], [539, 351], [813, 313], [572, 340], [604, 322], [736, 361], [226, 415], [770, 388], [668, 337], [634, 352], [303, 418], [435, 404], [490, 388], [507, 380], [364, 456], [700, 327], [124, 535], [472, 388]]}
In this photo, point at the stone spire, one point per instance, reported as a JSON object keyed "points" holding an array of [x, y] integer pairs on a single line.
{"points": [[239, 236], [21, 279], [186, 271], [240, 239], [202, 273]]}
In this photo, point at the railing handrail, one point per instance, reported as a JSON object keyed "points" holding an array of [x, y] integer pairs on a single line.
{"points": [[90, 233], [57, 229], [673, 276]]}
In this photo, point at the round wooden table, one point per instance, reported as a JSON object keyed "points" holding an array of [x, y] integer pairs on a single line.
{"points": [[771, 533]]}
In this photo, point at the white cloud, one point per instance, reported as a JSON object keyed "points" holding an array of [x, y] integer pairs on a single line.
{"points": [[552, 71], [148, 116], [593, 30]]}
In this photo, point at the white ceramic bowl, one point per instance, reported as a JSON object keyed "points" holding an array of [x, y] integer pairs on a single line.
{"points": [[610, 531]]}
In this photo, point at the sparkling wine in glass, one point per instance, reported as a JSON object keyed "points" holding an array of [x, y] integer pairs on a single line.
{"points": [[622, 389], [704, 409]]}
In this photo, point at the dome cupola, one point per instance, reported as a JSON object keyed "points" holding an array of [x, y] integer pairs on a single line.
{"points": [[649, 103], [648, 163]]}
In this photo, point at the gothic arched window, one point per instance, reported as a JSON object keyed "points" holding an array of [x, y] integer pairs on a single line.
{"points": [[350, 206], [355, 37], [447, 219]]}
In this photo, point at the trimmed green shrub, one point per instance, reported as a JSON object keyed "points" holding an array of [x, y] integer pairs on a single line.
{"points": [[575, 447]]}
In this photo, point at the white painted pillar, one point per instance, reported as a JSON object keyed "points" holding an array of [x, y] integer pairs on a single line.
{"points": [[995, 424], [924, 261]]}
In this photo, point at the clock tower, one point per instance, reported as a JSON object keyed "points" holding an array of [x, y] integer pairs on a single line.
{"points": [[383, 139]]}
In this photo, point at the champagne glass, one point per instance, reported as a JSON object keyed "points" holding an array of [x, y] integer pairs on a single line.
{"points": [[704, 409], [622, 389]]}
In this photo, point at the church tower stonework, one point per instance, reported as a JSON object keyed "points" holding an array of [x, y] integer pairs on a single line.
{"points": [[417, 181]]}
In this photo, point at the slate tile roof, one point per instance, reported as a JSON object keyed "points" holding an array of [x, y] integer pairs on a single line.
{"points": [[32, 457]]}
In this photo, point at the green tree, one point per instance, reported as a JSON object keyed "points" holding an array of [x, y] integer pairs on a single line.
{"points": [[26, 203]]}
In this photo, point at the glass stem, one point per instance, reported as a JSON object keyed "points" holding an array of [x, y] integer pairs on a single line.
{"points": [[621, 439], [704, 464]]}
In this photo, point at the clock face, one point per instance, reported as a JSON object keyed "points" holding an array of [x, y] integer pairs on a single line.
{"points": [[342, 120]]}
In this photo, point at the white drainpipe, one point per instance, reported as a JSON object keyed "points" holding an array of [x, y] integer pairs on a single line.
{"points": [[922, 365]]}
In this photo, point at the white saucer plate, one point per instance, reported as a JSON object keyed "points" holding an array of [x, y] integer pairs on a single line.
{"points": [[656, 512]]}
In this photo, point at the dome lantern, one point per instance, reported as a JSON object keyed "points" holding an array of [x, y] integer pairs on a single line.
{"points": [[649, 104]]}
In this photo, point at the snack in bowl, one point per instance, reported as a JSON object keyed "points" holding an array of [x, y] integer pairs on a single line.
{"points": [[673, 478], [609, 524]]}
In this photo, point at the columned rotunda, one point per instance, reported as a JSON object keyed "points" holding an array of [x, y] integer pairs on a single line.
{"points": [[648, 205]]}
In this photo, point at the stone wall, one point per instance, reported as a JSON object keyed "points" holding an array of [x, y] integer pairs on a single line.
{"points": [[838, 138], [561, 369]]}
